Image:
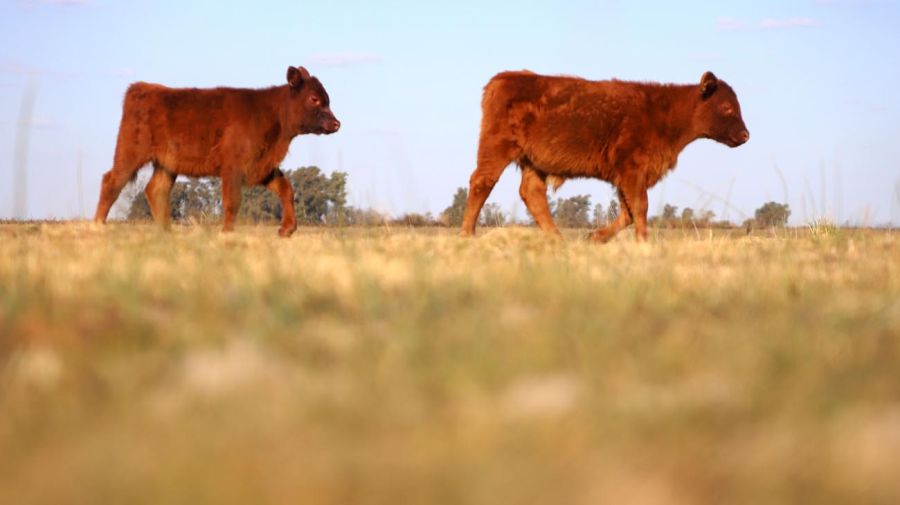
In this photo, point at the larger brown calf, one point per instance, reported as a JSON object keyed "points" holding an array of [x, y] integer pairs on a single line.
{"points": [[626, 133]]}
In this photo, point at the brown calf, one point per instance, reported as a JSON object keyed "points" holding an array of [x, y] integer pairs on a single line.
{"points": [[626, 133], [240, 135]]}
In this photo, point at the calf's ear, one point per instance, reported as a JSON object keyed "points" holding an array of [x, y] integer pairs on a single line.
{"points": [[708, 84], [297, 76]]}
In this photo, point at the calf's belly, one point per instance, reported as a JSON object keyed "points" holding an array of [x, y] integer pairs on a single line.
{"points": [[182, 158], [567, 164]]}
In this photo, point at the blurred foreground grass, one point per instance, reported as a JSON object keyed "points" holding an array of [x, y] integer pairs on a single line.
{"points": [[396, 366]]}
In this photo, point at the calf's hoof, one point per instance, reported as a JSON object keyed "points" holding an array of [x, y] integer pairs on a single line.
{"points": [[287, 231], [600, 238]]}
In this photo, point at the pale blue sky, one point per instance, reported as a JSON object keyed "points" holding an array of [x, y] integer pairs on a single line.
{"points": [[817, 81]]}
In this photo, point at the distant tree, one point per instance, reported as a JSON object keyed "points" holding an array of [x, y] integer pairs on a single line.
{"points": [[453, 215], [199, 199], [318, 199], [139, 209], [669, 212], [259, 205], [612, 212], [687, 215], [772, 214], [492, 215], [573, 212], [704, 218], [599, 217], [668, 217], [748, 225]]}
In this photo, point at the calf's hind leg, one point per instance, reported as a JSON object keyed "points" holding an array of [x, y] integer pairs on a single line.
{"points": [[281, 186], [493, 159], [633, 208], [638, 204], [113, 182], [533, 191], [130, 156], [231, 199], [624, 219], [158, 192]]}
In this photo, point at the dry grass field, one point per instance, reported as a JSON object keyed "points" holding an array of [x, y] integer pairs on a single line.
{"points": [[398, 366]]}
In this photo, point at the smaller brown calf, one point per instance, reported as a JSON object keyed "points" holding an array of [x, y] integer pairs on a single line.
{"points": [[240, 135], [626, 133]]}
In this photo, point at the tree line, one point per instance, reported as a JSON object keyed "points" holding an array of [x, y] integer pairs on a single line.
{"points": [[577, 212], [321, 199]]}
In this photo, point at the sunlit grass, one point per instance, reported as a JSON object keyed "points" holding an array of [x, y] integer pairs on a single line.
{"points": [[823, 228], [411, 366]]}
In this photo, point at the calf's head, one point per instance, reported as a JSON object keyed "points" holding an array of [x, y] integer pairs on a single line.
{"points": [[309, 104], [718, 116]]}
